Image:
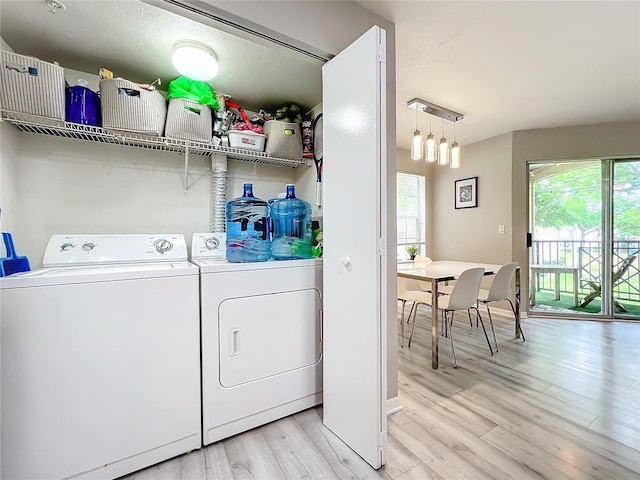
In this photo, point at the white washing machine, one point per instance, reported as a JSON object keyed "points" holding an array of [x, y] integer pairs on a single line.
{"points": [[261, 340], [100, 358]]}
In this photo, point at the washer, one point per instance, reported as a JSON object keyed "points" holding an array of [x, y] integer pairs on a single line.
{"points": [[100, 358], [261, 340]]}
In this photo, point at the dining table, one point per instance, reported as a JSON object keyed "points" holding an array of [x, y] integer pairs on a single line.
{"points": [[439, 271]]}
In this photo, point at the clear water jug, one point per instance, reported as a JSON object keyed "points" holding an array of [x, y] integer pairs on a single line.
{"points": [[248, 228], [292, 237]]}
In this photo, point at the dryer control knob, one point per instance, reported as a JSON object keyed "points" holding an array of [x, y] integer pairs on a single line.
{"points": [[66, 247], [212, 243], [162, 245], [87, 247]]}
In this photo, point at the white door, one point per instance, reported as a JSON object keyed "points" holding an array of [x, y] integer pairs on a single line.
{"points": [[354, 225]]}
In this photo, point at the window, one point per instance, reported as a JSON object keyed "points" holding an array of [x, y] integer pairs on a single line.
{"points": [[410, 213]]}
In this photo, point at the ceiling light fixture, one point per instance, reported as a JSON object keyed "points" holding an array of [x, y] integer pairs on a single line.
{"points": [[443, 148], [430, 144], [416, 142], [195, 60], [455, 151]]}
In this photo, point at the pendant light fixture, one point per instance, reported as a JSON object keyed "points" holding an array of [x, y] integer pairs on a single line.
{"points": [[455, 151], [430, 153], [442, 154], [443, 149], [416, 142]]}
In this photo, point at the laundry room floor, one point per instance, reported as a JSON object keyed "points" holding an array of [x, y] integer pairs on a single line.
{"points": [[563, 404]]}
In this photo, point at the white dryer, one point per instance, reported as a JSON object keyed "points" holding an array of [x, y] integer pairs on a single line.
{"points": [[261, 340], [100, 358]]}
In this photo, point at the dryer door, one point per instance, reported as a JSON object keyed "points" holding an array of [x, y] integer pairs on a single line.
{"points": [[252, 348]]}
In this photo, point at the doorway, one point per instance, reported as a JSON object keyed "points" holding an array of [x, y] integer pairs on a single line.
{"points": [[584, 221]]}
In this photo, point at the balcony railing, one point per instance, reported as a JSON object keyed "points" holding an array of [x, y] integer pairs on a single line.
{"points": [[587, 256]]}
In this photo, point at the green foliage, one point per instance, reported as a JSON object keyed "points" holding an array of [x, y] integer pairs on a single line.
{"points": [[412, 250], [573, 199]]}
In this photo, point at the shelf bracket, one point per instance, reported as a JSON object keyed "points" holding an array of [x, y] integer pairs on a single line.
{"points": [[186, 167]]}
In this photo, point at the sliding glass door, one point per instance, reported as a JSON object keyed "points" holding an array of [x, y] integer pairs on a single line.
{"points": [[585, 237]]}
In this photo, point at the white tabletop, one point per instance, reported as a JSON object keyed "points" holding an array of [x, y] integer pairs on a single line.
{"points": [[442, 270]]}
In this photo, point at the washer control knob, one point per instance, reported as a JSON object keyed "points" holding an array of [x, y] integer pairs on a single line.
{"points": [[212, 243], [162, 245], [65, 247], [88, 246]]}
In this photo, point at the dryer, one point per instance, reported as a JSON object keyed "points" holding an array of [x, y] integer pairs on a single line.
{"points": [[261, 340], [100, 358]]}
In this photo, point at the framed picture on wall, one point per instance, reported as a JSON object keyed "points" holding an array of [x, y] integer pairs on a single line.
{"points": [[466, 192]]}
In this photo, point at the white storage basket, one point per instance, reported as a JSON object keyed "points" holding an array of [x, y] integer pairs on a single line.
{"points": [[126, 107], [187, 120], [283, 139], [32, 86]]}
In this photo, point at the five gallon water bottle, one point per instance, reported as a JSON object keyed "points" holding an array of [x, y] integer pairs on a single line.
{"points": [[248, 228], [291, 227]]}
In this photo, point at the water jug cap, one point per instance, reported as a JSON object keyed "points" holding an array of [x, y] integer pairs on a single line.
{"points": [[83, 83]]}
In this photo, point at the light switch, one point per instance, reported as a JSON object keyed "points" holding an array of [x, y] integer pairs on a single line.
{"points": [[501, 229]]}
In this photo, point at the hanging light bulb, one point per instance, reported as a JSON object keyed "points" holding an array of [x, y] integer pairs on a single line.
{"points": [[416, 142], [430, 145], [455, 150], [416, 145], [443, 149]]}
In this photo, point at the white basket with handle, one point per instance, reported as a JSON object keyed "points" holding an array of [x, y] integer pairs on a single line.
{"points": [[127, 107]]}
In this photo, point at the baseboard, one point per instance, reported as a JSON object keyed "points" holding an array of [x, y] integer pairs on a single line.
{"points": [[393, 405]]}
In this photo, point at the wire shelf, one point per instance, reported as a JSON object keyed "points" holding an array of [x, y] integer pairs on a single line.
{"points": [[58, 128]]}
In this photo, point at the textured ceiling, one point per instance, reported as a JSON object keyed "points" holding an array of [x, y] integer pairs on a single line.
{"points": [[135, 40], [506, 65], [515, 65]]}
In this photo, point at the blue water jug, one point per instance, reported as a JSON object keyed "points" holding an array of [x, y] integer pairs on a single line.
{"points": [[82, 105], [248, 228], [292, 237]]}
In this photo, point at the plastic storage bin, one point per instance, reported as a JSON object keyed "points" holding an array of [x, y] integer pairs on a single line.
{"points": [[32, 86], [283, 139], [292, 237], [82, 105], [187, 120], [248, 228], [247, 140], [129, 108]]}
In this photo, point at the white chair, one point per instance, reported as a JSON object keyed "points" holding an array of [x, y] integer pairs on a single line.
{"points": [[415, 296], [500, 290], [424, 285], [463, 297]]}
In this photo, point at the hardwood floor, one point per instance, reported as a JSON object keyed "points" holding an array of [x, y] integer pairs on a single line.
{"points": [[563, 405]]}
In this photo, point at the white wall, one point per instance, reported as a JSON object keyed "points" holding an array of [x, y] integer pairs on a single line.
{"points": [[69, 186], [451, 229]]}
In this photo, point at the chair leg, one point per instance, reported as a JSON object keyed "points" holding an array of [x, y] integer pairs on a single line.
{"points": [[513, 308], [484, 330], [469, 313], [404, 302], [411, 311], [493, 331], [415, 314], [450, 323], [589, 298]]}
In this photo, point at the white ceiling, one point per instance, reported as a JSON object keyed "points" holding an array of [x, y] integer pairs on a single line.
{"points": [[514, 65], [505, 65], [135, 40]]}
